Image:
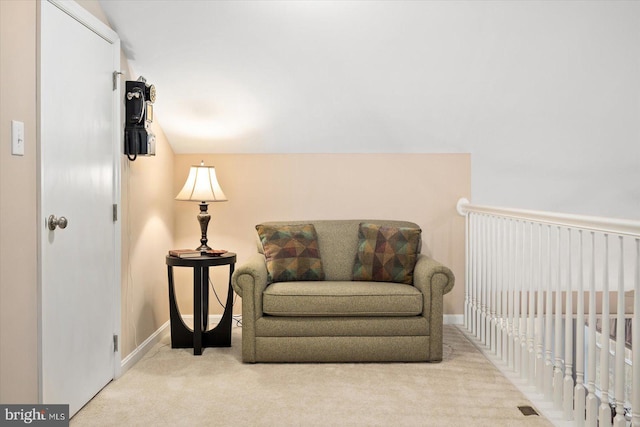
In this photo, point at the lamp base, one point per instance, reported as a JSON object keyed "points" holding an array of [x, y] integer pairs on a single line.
{"points": [[203, 248], [203, 219]]}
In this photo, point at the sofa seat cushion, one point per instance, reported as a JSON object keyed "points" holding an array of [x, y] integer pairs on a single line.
{"points": [[338, 298]]}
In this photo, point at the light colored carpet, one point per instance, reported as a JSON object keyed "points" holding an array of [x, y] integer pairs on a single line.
{"points": [[171, 387]]}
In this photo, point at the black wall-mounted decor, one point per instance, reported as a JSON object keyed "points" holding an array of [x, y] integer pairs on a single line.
{"points": [[139, 99]]}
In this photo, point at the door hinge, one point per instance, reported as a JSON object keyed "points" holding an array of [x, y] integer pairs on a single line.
{"points": [[115, 79], [115, 343], [115, 212]]}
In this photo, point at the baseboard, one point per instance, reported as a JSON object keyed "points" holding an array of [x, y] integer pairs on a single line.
{"points": [[139, 352], [453, 319]]}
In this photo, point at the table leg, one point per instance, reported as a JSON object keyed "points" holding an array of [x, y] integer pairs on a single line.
{"points": [[205, 298], [181, 336], [197, 311], [220, 336]]}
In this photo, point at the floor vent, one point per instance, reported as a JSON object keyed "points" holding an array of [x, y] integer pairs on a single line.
{"points": [[527, 410]]}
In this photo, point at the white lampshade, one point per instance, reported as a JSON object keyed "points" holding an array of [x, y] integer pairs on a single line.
{"points": [[202, 186]]}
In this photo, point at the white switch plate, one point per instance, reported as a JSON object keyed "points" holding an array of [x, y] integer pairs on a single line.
{"points": [[17, 138]]}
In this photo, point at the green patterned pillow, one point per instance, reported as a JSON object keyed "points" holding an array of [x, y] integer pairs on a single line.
{"points": [[386, 254], [291, 251]]}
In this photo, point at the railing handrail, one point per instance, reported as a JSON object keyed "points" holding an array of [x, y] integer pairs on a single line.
{"points": [[623, 227]]}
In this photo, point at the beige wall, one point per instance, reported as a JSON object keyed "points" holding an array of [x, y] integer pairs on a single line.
{"points": [[147, 235], [18, 239], [423, 188]]}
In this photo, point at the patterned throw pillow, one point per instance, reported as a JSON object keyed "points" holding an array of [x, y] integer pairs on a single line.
{"points": [[292, 252], [386, 254]]}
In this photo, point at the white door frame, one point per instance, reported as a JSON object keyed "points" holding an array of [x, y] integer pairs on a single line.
{"points": [[84, 17]]}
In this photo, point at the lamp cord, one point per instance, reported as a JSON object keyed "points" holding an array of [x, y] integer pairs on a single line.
{"points": [[236, 318]]}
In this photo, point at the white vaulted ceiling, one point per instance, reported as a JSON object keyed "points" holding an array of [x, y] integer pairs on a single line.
{"points": [[227, 72], [303, 76]]}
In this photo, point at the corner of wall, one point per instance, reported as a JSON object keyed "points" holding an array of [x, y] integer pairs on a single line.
{"points": [[147, 235]]}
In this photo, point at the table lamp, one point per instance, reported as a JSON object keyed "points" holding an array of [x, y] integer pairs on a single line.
{"points": [[202, 186]]}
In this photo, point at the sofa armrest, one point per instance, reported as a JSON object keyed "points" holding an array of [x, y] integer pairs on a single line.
{"points": [[434, 280], [249, 280], [430, 273], [251, 274]]}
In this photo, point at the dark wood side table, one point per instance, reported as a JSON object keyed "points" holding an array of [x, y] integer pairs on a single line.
{"points": [[199, 337]]}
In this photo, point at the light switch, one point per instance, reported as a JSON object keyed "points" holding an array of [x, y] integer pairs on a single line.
{"points": [[17, 138]]}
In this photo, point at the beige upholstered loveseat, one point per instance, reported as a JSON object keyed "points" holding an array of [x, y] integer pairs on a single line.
{"points": [[333, 318]]}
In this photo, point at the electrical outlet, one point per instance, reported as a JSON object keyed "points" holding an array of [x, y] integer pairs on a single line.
{"points": [[17, 138]]}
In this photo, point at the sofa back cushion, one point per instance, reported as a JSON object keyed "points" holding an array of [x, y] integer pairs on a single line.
{"points": [[386, 254], [291, 252], [338, 243]]}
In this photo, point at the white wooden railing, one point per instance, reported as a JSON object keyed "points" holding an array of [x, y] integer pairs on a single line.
{"points": [[528, 275]]}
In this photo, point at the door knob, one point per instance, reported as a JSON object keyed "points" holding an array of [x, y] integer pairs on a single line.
{"points": [[54, 222]]}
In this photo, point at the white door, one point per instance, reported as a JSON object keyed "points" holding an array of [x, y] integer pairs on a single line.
{"points": [[79, 276]]}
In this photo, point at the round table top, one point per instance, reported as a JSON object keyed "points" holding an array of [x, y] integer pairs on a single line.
{"points": [[202, 261]]}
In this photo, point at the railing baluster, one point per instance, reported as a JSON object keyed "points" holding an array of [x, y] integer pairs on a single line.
{"points": [[580, 392], [469, 263], [489, 283], [478, 267], [592, 399], [510, 297], [635, 402], [476, 282], [539, 322], [557, 372], [548, 362], [485, 275], [494, 286], [499, 312], [604, 415], [568, 343], [516, 300], [474, 274], [505, 295], [467, 268], [524, 355], [619, 420], [491, 287], [532, 313], [483, 278]]}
